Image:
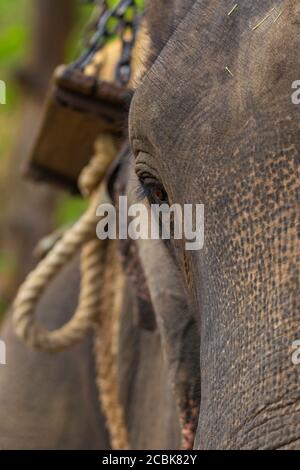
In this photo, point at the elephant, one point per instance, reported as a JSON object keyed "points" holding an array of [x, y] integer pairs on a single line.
{"points": [[205, 356], [212, 122]]}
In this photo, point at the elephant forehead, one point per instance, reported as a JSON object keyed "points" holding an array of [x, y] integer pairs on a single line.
{"points": [[212, 66], [163, 16]]}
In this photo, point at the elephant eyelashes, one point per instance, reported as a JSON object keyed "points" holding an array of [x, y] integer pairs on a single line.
{"points": [[153, 191]]}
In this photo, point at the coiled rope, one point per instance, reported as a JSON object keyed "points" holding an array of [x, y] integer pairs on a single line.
{"points": [[106, 345], [79, 237], [99, 290]]}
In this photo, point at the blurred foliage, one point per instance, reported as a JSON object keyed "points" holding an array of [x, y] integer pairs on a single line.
{"points": [[14, 37], [14, 34], [8, 267], [7, 263], [68, 210], [13, 44]]}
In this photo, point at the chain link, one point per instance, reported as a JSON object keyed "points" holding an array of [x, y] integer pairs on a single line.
{"points": [[115, 20]]}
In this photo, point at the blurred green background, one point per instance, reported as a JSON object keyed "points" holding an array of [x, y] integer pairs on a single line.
{"points": [[16, 37]]}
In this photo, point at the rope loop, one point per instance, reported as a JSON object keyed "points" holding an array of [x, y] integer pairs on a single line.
{"points": [[82, 236]]}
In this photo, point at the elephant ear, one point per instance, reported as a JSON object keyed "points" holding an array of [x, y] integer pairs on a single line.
{"points": [[176, 323]]}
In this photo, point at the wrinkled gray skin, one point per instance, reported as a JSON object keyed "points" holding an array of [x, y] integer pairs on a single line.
{"points": [[231, 143]]}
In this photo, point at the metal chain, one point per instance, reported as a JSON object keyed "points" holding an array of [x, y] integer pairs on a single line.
{"points": [[112, 21], [128, 37]]}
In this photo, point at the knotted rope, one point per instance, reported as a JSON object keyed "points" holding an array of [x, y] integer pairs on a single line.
{"points": [[100, 294], [101, 279], [106, 346], [72, 241], [80, 237]]}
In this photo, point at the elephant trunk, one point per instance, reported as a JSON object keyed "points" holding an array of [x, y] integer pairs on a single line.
{"points": [[250, 387]]}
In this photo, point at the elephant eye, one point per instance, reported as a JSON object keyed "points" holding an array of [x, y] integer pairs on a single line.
{"points": [[152, 190], [159, 194]]}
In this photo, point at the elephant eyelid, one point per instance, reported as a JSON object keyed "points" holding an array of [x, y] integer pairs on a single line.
{"points": [[137, 147], [140, 148]]}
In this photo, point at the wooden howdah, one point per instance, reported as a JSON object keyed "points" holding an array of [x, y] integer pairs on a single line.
{"points": [[78, 109]]}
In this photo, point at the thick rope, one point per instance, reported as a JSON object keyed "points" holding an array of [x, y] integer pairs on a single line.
{"points": [[31, 291], [100, 293], [106, 347], [105, 147], [100, 298]]}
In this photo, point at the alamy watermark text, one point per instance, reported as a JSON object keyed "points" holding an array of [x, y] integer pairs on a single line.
{"points": [[162, 221]]}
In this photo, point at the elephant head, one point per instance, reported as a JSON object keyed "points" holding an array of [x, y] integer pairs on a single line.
{"points": [[212, 122]]}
